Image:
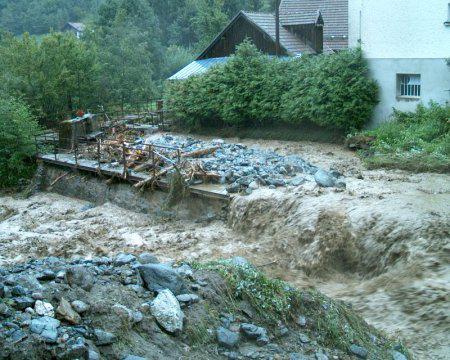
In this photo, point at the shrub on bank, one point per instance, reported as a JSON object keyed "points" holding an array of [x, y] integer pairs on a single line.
{"points": [[17, 129], [418, 141], [253, 90]]}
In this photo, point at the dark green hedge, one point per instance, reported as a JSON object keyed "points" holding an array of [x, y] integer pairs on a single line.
{"points": [[252, 89]]}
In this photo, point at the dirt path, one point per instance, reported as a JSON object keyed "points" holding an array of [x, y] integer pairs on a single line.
{"points": [[382, 244]]}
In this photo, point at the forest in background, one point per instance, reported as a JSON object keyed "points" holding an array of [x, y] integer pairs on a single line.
{"points": [[128, 49]]}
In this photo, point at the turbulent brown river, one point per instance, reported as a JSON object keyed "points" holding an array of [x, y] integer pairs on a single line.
{"points": [[382, 244]]}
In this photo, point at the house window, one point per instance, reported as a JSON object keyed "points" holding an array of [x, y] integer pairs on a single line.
{"points": [[408, 85]]}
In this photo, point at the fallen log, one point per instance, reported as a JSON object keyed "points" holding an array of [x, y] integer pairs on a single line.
{"points": [[153, 178], [200, 152]]}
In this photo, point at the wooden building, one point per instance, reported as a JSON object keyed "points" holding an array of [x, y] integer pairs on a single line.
{"points": [[298, 27]]}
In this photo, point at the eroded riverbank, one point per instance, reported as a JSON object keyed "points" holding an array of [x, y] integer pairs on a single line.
{"points": [[381, 244]]}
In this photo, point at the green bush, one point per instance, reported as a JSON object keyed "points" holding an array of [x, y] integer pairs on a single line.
{"points": [[418, 141], [253, 90], [17, 129]]}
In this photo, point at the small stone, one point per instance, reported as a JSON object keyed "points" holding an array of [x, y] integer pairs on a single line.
{"points": [[61, 274], [44, 308], [18, 290], [79, 276], [227, 338], [324, 178], [30, 311], [167, 311], [103, 337], [301, 321], [65, 311], [46, 327], [46, 275], [79, 350], [255, 332], [396, 355], [2, 290], [79, 306], [18, 336], [147, 258], [188, 299], [185, 270], [133, 357], [5, 310], [304, 339], [21, 303], [239, 261], [93, 355], [37, 296], [123, 259], [126, 315], [321, 356], [359, 351]]}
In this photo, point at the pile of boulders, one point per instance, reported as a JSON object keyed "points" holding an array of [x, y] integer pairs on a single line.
{"points": [[243, 169], [133, 307]]}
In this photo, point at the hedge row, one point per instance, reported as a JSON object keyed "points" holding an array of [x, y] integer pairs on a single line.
{"points": [[252, 89]]}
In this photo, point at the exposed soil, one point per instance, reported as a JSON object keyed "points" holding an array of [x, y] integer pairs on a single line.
{"points": [[382, 244]]}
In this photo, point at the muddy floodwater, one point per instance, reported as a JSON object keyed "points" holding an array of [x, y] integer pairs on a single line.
{"points": [[382, 244]]}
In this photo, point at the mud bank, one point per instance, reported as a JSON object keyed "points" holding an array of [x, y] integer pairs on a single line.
{"points": [[382, 244], [97, 190]]}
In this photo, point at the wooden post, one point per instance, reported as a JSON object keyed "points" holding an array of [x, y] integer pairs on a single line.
{"points": [[124, 159], [98, 154]]}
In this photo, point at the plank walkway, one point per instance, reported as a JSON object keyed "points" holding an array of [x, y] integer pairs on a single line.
{"points": [[215, 191]]}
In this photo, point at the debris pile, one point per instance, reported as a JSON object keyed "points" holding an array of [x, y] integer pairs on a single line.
{"points": [[238, 167], [133, 307]]}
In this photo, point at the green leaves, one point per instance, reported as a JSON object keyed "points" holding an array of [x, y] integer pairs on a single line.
{"points": [[252, 89], [17, 130]]}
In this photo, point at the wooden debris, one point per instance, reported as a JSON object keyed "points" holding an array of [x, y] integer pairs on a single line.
{"points": [[153, 178], [200, 152]]}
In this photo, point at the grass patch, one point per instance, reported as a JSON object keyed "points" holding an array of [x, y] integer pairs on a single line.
{"points": [[334, 324], [415, 141]]}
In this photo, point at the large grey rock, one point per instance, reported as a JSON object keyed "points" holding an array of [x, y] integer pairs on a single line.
{"points": [[255, 332], [102, 338], [133, 357], [167, 311], [157, 277], [46, 327], [324, 178], [359, 351], [227, 338], [79, 276]]}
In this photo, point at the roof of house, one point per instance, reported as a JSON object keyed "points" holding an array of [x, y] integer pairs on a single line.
{"points": [[334, 13], [266, 22], [198, 67], [77, 26]]}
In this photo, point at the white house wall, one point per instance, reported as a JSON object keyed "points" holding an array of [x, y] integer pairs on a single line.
{"points": [[403, 37]]}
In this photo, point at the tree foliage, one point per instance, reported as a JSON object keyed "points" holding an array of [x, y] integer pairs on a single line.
{"points": [[252, 89], [17, 129], [54, 76]]}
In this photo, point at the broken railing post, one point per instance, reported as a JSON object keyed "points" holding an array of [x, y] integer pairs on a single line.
{"points": [[98, 153], [76, 153], [124, 159]]}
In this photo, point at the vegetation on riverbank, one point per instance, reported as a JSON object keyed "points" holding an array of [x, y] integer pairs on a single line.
{"points": [[253, 90], [17, 129], [417, 141]]}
